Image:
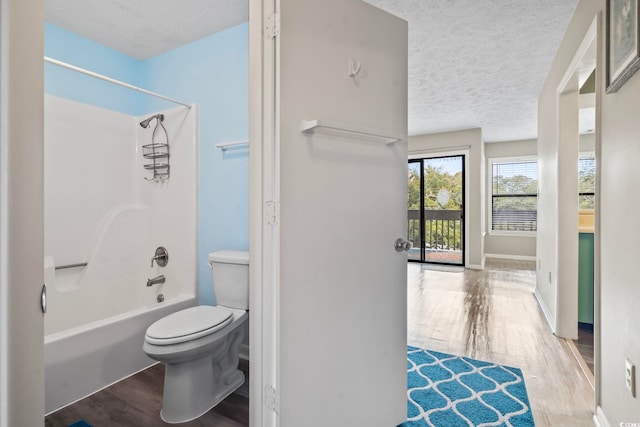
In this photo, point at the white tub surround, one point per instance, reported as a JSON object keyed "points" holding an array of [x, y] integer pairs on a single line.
{"points": [[100, 210]]}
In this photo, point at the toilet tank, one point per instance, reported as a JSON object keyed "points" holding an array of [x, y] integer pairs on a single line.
{"points": [[230, 271]]}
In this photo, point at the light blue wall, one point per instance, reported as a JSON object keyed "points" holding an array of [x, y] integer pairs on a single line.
{"points": [[212, 72], [75, 50]]}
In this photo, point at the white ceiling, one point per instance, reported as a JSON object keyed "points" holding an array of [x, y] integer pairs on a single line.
{"points": [[472, 63]]}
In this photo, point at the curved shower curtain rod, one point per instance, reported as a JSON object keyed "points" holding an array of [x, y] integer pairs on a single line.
{"points": [[110, 80]]}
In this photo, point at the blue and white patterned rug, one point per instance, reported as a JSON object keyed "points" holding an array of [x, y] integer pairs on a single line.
{"points": [[451, 391]]}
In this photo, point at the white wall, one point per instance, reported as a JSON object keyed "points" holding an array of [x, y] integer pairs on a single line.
{"points": [[466, 140], [588, 143], [619, 239], [502, 245], [617, 291], [99, 209]]}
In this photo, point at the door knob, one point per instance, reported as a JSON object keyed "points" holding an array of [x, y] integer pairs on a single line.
{"points": [[402, 245]]}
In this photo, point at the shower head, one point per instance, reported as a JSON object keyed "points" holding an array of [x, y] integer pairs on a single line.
{"points": [[145, 123]]}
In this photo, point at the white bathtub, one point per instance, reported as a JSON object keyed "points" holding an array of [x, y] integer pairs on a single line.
{"points": [[85, 359]]}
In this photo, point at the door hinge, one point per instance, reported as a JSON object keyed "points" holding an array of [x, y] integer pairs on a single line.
{"points": [[271, 399], [272, 213], [272, 25]]}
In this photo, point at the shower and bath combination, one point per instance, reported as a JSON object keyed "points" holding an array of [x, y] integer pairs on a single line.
{"points": [[158, 152], [98, 210]]}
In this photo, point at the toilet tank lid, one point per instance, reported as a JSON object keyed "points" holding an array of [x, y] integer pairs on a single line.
{"points": [[229, 257]]}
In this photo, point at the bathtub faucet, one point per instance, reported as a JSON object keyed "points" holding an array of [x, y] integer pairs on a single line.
{"points": [[155, 280]]}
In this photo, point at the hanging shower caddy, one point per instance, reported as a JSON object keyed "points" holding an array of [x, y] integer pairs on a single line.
{"points": [[158, 152]]}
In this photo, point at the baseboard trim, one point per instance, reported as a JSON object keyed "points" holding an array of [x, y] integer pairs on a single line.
{"points": [[244, 352], [551, 321], [475, 267], [511, 257], [600, 419]]}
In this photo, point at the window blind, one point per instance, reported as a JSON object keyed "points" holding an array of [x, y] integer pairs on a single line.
{"points": [[514, 200]]}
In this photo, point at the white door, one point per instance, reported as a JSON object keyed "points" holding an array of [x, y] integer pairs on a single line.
{"points": [[21, 213], [342, 286]]}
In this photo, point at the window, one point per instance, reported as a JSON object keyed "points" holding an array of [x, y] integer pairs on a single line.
{"points": [[587, 182], [514, 196]]}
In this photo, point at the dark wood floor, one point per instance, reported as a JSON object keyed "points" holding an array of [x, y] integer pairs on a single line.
{"points": [[136, 402]]}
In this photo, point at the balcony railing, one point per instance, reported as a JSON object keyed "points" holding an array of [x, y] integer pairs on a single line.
{"points": [[443, 229]]}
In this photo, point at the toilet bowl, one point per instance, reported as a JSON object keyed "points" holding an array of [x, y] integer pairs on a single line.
{"points": [[200, 345]]}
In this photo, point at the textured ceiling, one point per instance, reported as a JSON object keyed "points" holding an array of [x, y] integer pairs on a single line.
{"points": [[145, 28], [472, 63], [479, 63]]}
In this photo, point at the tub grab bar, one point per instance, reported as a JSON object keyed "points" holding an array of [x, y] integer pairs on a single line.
{"points": [[80, 264]]}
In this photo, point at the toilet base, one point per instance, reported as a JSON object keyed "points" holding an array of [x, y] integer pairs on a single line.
{"points": [[193, 386], [180, 406]]}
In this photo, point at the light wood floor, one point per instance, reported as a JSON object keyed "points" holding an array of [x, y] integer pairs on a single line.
{"points": [[489, 315], [492, 315]]}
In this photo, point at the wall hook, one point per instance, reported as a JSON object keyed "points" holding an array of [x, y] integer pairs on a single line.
{"points": [[354, 68]]}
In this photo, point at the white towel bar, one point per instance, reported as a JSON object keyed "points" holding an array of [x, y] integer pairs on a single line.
{"points": [[310, 126], [224, 146]]}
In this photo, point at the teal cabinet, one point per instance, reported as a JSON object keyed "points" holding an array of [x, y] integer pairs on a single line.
{"points": [[585, 278]]}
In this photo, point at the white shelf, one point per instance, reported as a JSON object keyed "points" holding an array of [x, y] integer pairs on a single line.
{"points": [[224, 146], [310, 126]]}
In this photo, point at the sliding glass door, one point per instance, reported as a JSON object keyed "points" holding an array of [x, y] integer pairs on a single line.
{"points": [[436, 210]]}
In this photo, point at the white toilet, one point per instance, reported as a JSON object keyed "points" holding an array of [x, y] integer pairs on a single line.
{"points": [[200, 345]]}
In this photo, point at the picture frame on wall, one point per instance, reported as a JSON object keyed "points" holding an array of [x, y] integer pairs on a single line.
{"points": [[623, 41]]}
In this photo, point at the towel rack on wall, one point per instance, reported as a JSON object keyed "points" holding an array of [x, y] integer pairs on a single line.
{"points": [[224, 146], [64, 267], [310, 126]]}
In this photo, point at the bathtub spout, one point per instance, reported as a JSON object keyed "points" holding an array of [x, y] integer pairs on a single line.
{"points": [[155, 281]]}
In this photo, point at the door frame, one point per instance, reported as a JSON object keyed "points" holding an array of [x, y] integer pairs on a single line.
{"points": [[588, 56], [422, 236], [567, 101], [4, 141], [464, 207], [264, 237]]}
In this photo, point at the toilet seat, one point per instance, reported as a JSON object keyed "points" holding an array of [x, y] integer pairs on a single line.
{"points": [[189, 324]]}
